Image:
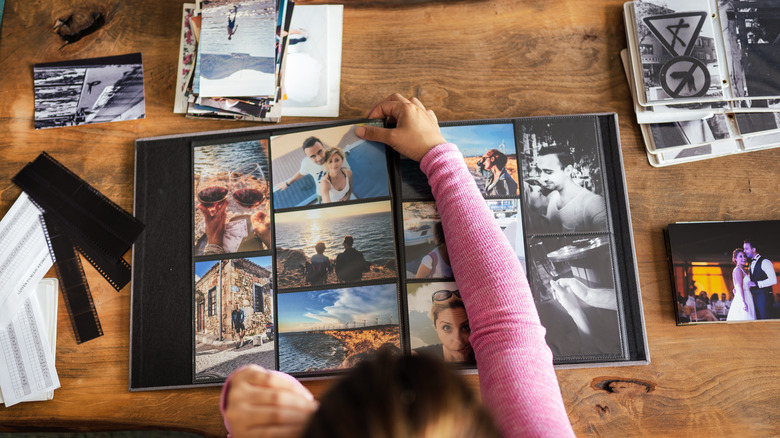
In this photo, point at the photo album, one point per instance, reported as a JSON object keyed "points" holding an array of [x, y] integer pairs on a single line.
{"points": [[704, 76], [306, 249], [724, 271]]}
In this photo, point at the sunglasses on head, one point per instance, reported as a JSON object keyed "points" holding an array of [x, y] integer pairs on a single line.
{"points": [[444, 295]]}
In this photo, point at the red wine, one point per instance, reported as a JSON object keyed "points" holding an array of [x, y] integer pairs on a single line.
{"points": [[211, 195], [248, 198]]}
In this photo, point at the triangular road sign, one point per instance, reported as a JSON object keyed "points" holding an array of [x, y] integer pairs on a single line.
{"points": [[677, 32]]}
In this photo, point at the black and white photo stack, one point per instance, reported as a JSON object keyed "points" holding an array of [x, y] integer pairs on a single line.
{"points": [[704, 76]]}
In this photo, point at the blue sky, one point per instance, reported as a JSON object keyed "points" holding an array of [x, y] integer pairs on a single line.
{"points": [[202, 267], [473, 140], [303, 310]]}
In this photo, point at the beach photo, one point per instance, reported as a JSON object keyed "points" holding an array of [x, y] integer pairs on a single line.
{"points": [[489, 152], [230, 191], [725, 271], [563, 188], [233, 316], [237, 48], [87, 91], [336, 328], [573, 287], [342, 244], [438, 323], [327, 165]]}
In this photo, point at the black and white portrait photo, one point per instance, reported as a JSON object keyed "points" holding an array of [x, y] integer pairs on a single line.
{"points": [[89, 91]]}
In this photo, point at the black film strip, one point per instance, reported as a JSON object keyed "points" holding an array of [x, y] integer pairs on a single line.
{"points": [[100, 229], [75, 290]]}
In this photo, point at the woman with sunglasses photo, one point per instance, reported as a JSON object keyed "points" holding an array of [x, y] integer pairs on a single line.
{"points": [[452, 327], [518, 384]]}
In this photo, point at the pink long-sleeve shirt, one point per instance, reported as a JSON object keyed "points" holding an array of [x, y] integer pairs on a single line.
{"points": [[516, 375]]}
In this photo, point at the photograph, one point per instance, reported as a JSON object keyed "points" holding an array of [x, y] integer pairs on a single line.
{"points": [[237, 48], [425, 249], [187, 47], [238, 105], [230, 191], [573, 286], [690, 133], [233, 316], [438, 323], [725, 271], [489, 152], [336, 328], [88, 91], [327, 165], [751, 34], [757, 123], [563, 189], [677, 50], [702, 152], [341, 244]]}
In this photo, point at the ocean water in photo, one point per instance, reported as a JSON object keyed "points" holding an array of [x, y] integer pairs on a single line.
{"points": [[255, 29], [373, 234], [230, 156], [309, 351]]}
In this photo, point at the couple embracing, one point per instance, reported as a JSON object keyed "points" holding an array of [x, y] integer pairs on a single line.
{"points": [[753, 297]]}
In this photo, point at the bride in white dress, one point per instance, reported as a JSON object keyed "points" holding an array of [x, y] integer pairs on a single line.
{"points": [[742, 308]]}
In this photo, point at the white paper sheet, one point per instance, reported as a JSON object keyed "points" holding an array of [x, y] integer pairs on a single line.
{"points": [[24, 256], [27, 349]]}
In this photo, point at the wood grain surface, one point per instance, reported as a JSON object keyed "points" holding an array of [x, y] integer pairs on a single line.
{"points": [[465, 60]]}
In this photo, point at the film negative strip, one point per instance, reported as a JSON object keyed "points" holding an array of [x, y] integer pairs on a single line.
{"points": [[100, 229], [85, 214], [75, 289]]}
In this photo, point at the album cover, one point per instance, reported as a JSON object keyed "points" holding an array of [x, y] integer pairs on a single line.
{"points": [[306, 249]]}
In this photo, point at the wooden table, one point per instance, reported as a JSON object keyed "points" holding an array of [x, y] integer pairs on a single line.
{"points": [[465, 60]]}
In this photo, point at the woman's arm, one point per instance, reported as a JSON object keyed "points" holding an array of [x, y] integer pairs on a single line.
{"points": [[325, 190], [516, 375], [424, 269]]}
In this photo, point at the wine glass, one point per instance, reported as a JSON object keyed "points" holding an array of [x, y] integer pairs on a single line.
{"points": [[249, 186], [213, 189]]}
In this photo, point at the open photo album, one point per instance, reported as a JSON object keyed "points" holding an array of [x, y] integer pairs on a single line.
{"points": [[306, 249]]}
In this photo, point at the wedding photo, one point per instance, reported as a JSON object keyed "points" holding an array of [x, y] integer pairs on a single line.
{"points": [[725, 271], [327, 165], [336, 328], [230, 191], [342, 244]]}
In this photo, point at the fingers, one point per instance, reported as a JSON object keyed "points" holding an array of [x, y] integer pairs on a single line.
{"points": [[374, 133], [387, 109], [395, 97], [261, 377]]}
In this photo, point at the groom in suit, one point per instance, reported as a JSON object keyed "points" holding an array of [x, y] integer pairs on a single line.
{"points": [[762, 278]]}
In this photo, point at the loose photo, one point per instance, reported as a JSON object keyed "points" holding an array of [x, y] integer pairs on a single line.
{"points": [[438, 323], [574, 290], [87, 91], [230, 202], [336, 328], [725, 271], [233, 316], [690, 132], [340, 244], [327, 165], [237, 48], [563, 188]]}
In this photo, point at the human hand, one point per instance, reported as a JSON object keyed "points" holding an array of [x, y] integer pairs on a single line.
{"points": [[416, 132], [267, 403], [602, 298], [261, 226], [752, 284], [215, 222], [281, 186]]}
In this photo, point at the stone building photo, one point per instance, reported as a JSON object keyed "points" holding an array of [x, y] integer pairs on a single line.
{"points": [[224, 288]]}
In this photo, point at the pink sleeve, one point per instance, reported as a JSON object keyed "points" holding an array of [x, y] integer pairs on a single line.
{"points": [[516, 375]]}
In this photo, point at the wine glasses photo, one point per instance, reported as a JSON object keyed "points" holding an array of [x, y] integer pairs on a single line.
{"points": [[213, 189], [248, 186]]}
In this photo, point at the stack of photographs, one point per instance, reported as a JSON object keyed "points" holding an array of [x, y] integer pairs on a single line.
{"points": [[704, 76], [231, 58], [310, 249]]}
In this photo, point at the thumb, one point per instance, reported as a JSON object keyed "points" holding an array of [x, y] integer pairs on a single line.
{"points": [[373, 133]]}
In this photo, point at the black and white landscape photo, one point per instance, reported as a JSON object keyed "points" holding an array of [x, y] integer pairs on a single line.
{"points": [[87, 91]]}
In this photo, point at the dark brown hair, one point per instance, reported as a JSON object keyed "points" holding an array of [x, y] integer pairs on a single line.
{"points": [[392, 396]]}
